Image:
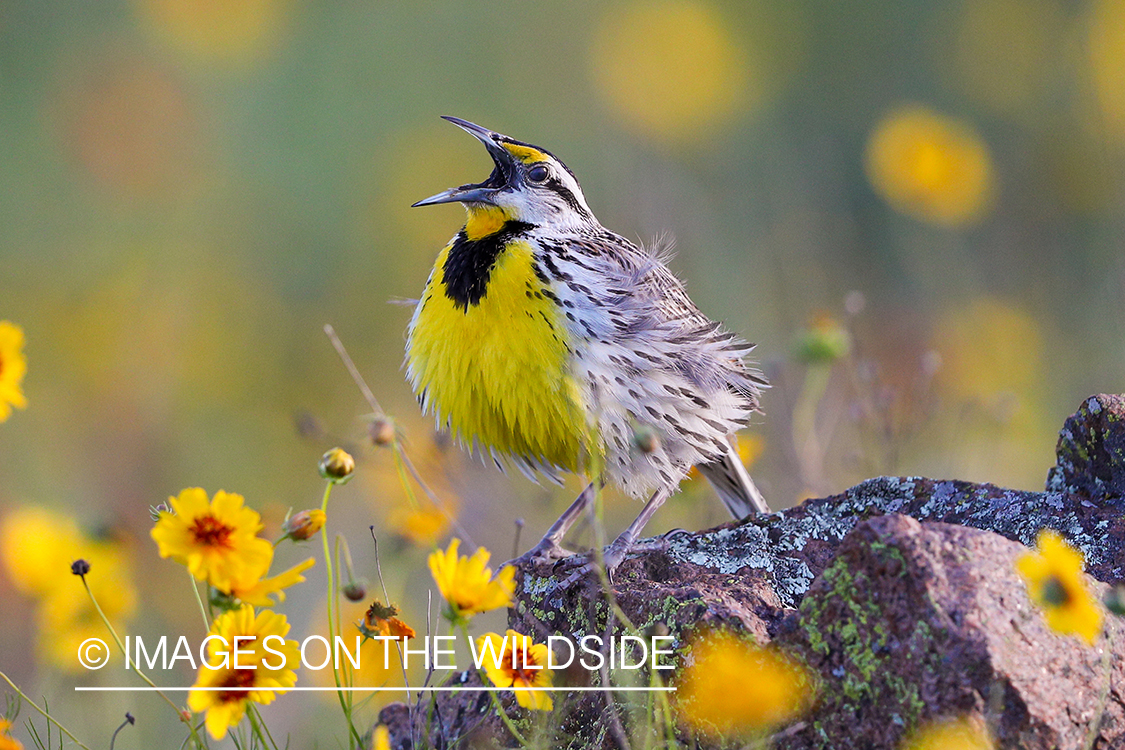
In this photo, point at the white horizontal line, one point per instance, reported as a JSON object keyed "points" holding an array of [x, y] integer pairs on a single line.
{"points": [[442, 689]]}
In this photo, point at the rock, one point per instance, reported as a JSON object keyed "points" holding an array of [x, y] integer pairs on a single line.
{"points": [[904, 620], [1091, 452], [914, 621]]}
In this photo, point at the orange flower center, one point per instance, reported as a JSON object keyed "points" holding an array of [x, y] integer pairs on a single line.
{"points": [[237, 684], [522, 669], [211, 532]]}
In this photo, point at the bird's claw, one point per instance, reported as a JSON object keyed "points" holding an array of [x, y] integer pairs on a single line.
{"points": [[547, 553]]}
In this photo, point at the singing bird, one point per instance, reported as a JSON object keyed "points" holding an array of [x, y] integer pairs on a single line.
{"points": [[553, 344]]}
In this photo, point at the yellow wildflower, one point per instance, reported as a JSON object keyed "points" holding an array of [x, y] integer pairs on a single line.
{"points": [[516, 661], [421, 526], [13, 365], [381, 738], [932, 167], [259, 593], [467, 582], [216, 540], [956, 734], [259, 672], [733, 687], [8, 742], [1055, 582], [304, 525], [382, 620], [37, 546]]}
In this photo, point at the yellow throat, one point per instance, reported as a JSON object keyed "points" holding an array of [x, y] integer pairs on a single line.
{"points": [[487, 350]]}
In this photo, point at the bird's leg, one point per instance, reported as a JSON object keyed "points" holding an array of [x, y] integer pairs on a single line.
{"points": [[549, 548], [623, 544]]}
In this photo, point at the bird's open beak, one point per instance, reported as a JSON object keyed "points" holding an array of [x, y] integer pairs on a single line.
{"points": [[480, 192]]}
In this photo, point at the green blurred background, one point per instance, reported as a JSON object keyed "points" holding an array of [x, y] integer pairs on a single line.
{"points": [[914, 208]]}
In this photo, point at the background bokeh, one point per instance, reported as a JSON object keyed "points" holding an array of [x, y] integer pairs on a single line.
{"points": [[916, 209]]}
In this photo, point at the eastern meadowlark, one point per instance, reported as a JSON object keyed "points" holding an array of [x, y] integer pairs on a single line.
{"points": [[551, 343]]}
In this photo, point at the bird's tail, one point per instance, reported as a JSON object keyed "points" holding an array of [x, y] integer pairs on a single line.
{"points": [[733, 483]]}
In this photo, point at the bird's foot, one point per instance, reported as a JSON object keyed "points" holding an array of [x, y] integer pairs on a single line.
{"points": [[613, 555], [544, 554]]}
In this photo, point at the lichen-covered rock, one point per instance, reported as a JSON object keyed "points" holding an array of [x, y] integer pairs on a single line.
{"points": [[914, 621], [905, 621], [1091, 452]]}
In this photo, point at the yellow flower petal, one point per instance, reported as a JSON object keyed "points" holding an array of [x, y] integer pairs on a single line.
{"points": [[467, 582], [1056, 583], [13, 366]]}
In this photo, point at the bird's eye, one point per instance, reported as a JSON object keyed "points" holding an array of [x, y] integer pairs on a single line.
{"points": [[538, 173]]}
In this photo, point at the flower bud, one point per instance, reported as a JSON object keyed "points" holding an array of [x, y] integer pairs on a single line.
{"points": [[337, 465], [355, 591], [80, 567], [382, 430], [303, 525]]}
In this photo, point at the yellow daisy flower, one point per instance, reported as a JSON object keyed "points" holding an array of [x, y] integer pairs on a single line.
{"points": [[381, 739], [13, 365], [736, 688], [955, 734], [217, 540], [1055, 582], [516, 661], [261, 671], [8, 742], [259, 593], [467, 582], [420, 526]]}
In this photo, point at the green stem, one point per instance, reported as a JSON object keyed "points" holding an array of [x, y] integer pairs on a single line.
{"points": [[333, 617], [256, 725], [45, 715], [495, 696], [117, 639], [199, 601]]}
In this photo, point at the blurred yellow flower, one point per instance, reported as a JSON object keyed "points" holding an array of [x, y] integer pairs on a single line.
{"points": [[1005, 52], [516, 661], [422, 526], [931, 167], [8, 742], [955, 734], [824, 341], [260, 593], [37, 546], [735, 688], [1107, 64], [671, 68], [13, 365], [989, 348], [467, 582], [216, 540], [1055, 582], [218, 30], [382, 620], [381, 739], [261, 671]]}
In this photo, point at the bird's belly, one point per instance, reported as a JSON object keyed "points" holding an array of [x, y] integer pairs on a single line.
{"points": [[498, 371]]}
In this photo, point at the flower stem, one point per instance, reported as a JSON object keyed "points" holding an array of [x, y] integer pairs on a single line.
{"points": [[333, 617], [117, 639], [256, 725], [199, 601], [495, 696], [45, 715]]}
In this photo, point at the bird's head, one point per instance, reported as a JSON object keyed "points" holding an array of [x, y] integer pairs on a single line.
{"points": [[528, 184]]}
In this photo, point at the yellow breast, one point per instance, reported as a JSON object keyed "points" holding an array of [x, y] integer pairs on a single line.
{"points": [[497, 368]]}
